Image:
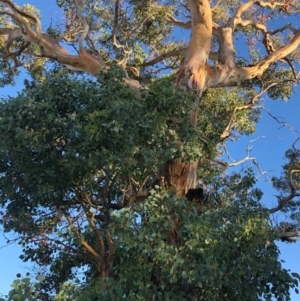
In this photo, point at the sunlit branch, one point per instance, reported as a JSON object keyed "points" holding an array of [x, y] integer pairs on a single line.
{"points": [[85, 27], [185, 25], [188, 24], [19, 12], [237, 18], [249, 105], [257, 25], [90, 218], [217, 4], [126, 52], [269, 47], [78, 236]]}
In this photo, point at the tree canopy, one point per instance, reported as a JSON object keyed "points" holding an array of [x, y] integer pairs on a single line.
{"points": [[112, 176]]}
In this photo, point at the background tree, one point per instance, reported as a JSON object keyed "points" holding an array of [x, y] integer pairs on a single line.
{"points": [[120, 174]]}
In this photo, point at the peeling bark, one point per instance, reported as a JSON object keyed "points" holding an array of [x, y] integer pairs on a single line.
{"points": [[194, 73], [179, 175]]}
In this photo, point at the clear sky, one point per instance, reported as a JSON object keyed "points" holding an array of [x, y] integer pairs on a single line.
{"points": [[268, 150]]}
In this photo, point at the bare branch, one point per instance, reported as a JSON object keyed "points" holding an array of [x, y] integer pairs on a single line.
{"points": [[188, 24], [283, 123], [225, 76], [257, 25], [245, 159], [293, 146], [270, 48], [271, 4], [217, 4], [185, 25], [92, 253]]}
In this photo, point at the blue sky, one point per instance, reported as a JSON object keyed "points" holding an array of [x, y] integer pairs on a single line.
{"points": [[269, 151]]}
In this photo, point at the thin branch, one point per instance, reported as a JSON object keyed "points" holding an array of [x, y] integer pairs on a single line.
{"points": [[85, 27], [283, 123], [249, 105], [126, 52], [237, 18], [158, 59], [245, 159], [287, 26], [257, 25], [137, 27], [285, 200], [20, 12], [172, 53], [188, 24], [185, 25], [217, 4], [293, 145], [85, 203], [270, 48]]}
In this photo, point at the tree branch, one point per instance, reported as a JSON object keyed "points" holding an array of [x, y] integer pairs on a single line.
{"points": [[237, 18], [158, 59], [247, 106], [173, 20], [245, 159], [126, 52], [285, 200]]}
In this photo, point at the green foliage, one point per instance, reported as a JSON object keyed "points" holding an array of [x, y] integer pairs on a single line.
{"points": [[189, 253], [176, 253], [24, 289], [72, 128], [77, 154], [57, 137]]}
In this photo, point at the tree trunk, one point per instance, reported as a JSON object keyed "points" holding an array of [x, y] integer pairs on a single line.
{"points": [[194, 68], [179, 175], [194, 73]]}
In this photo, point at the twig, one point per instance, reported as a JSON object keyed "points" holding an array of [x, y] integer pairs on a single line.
{"points": [[283, 123]]}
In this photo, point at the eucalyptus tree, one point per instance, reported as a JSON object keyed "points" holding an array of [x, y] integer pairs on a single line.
{"points": [[121, 121]]}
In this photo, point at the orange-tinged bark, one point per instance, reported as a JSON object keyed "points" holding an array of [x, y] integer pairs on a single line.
{"points": [[179, 175], [194, 68]]}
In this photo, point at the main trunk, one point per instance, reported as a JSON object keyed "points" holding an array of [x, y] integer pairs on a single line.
{"points": [[179, 175], [194, 70], [194, 73]]}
